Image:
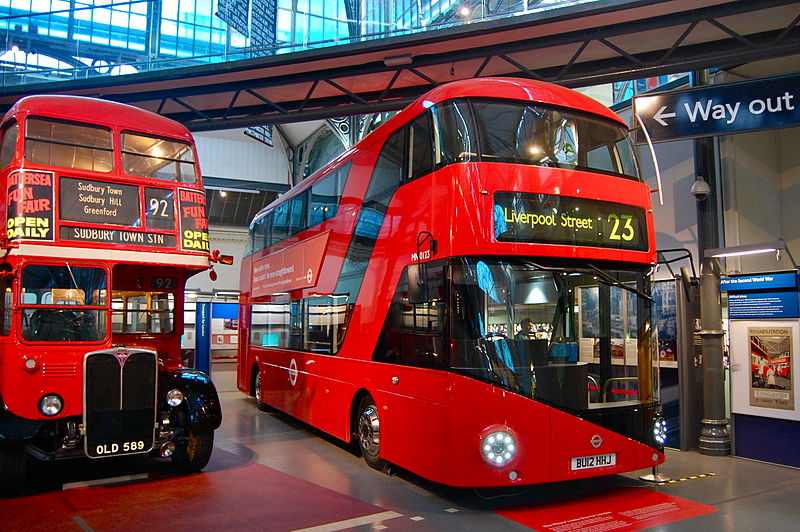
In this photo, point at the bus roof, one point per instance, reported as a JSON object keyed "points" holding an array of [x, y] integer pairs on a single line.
{"points": [[514, 89], [96, 111], [501, 88]]}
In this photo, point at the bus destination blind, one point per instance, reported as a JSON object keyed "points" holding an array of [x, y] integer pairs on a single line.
{"points": [[115, 204], [550, 219], [83, 200]]}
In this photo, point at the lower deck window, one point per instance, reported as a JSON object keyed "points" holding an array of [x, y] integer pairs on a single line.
{"points": [[142, 312]]}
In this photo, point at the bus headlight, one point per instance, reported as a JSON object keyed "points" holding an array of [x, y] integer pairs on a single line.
{"points": [[174, 397], [498, 447], [660, 430], [50, 405]]}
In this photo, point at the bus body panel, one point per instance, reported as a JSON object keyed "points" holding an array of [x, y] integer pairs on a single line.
{"points": [[104, 221], [432, 420]]}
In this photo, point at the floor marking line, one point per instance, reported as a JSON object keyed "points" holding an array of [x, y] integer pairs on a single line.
{"points": [[81, 523], [693, 477], [348, 523], [105, 481]]}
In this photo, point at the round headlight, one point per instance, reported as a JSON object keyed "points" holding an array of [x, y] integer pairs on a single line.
{"points": [[174, 397], [660, 430], [30, 364], [498, 447], [50, 405]]}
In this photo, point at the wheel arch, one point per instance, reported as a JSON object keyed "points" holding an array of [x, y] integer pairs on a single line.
{"points": [[356, 401]]}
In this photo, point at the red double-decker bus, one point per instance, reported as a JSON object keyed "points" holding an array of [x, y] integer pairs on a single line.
{"points": [[465, 292], [104, 221]]}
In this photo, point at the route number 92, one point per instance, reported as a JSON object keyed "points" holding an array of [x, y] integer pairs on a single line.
{"points": [[622, 227]]}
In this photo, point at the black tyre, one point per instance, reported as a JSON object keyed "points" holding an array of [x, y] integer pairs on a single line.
{"points": [[12, 469], [192, 455], [257, 390], [368, 434]]}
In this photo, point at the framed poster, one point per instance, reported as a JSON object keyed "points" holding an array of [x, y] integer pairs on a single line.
{"points": [[764, 355]]}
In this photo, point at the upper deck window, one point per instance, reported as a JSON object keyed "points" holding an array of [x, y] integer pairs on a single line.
{"points": [[9, 146], [69, 144], [158, 158], [521, 132]]}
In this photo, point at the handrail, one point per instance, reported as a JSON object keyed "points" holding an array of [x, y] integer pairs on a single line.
{"points": [[616, 379]]}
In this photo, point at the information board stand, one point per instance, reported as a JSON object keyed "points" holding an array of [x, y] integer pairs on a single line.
{"points": [[764, 345]]}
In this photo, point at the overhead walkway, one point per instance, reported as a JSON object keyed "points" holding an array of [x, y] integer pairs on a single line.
{"points": [[581, 45]]}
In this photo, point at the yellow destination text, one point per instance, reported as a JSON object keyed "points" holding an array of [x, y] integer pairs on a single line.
{"points": [[552, 220]]}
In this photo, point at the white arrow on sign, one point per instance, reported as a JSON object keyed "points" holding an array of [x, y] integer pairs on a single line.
{"points": [[660, 115]]}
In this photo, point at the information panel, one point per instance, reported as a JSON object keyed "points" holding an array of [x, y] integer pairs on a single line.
{"points": [[84, 200], [30, 206], [764, 357], [194, 224], [543, 218], [290, 268]]}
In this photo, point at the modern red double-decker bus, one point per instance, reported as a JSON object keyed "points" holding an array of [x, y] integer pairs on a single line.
{"points": [[104, 221], [465, 292]]}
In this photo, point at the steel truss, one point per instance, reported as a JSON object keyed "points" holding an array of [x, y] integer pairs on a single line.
{"points": [[579, 46]]}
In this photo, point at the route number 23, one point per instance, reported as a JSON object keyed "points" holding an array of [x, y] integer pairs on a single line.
{"points": [[623, 228]]}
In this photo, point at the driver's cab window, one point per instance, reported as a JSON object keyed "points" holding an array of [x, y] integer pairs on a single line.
{"points": [[63, 303]]}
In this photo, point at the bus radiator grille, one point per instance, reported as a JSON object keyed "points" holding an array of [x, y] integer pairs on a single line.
{"points": [[120, 401]]}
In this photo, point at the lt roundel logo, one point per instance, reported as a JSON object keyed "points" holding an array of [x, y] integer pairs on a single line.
{"points": [[121, 357], [293, 372], [596, 440], [310, 276]]}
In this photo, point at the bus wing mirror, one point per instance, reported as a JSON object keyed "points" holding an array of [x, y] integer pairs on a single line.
{"points": [[417, 287], [688, 282]]}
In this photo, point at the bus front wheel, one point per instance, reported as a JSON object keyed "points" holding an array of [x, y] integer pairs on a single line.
{"points": [[12, 469], [368, 432], [193, 454]]}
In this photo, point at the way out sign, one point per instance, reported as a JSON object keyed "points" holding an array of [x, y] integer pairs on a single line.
{"points": [[720, 109]]}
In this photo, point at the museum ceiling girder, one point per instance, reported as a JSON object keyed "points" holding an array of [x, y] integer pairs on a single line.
{"points": [[583, 46]]}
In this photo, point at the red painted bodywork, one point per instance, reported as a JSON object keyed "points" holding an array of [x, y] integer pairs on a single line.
{"points": [[432, 421], [59, 366]]}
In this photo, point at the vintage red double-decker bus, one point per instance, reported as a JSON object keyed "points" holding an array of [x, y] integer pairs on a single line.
{"points": [[465, 292], [104, 221]]}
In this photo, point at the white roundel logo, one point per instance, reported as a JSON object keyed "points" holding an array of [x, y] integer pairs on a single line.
{"points": [[596, 441], [293, 372], [310, 276]]}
